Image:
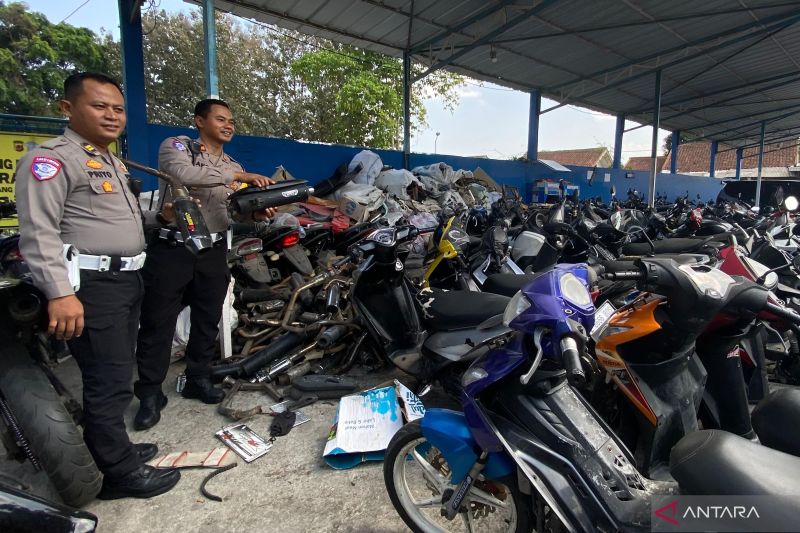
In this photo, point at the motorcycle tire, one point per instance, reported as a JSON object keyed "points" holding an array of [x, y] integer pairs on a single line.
{"points": [[412, 432], [54, 437]]}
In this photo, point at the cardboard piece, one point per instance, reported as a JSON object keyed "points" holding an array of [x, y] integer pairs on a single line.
{"points": [[350, 207], [216, 458], [366, 422], [485, 179]]}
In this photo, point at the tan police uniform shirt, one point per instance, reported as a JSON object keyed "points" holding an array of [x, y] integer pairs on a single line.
{"points": [[209, 178], [68, 192]]}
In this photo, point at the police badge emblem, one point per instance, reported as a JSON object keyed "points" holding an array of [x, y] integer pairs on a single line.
{"points": [[45, 168]]}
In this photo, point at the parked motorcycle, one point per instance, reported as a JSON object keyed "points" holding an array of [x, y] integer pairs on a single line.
{"points": [[530, 452], [40, 419]]}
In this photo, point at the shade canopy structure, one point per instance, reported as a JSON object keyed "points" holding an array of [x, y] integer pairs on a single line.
{"points": [[727, 65]]}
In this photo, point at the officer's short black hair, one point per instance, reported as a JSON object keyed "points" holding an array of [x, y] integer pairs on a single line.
{"points": [[73, 85], [204, 106]]}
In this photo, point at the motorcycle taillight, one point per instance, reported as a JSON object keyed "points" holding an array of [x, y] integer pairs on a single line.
{"points": [[248, 247], [13, 255], [290, 239]]}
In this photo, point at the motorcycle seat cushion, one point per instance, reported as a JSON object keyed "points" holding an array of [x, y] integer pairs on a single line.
{"points": [[718, 462], [452, 310], [668, 246], [506, 284], [770, 419]]}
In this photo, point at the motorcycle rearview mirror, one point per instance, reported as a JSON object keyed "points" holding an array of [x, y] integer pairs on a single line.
{"points": [[795, 263]]}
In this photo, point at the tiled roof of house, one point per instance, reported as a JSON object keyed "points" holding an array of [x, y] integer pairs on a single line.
{"points": [[695, 157], [583, 157], [643, 163]]}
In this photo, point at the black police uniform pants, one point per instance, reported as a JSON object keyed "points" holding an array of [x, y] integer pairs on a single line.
{"points": [[174, 277], [105, 354]]}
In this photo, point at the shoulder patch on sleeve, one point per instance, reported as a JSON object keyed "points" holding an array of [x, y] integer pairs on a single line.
{"points": [[178, 145], [45, 168]]}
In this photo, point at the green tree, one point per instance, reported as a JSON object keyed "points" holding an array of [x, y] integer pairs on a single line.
{"points": [[282, 83], [279, 83], [685, 138], [355, 96], [36, 56]]}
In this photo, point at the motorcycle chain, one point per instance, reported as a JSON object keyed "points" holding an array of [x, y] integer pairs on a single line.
{"points": [[17, 435]]}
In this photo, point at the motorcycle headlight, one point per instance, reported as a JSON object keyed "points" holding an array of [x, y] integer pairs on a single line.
{"points": [[574, 291], [518, 304]]}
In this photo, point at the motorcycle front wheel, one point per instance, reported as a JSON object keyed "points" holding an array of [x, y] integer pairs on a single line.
{"points": [[417, 476], [54, 437]]}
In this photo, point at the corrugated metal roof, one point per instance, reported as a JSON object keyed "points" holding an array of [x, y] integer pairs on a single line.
{"points": [[601, 55]]}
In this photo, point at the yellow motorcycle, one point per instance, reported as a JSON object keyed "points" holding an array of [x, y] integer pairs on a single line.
{"points": [[449, 266]]}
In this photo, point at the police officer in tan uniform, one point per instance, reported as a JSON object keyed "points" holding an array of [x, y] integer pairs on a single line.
{"points": [[175, 277], [73, 191]]}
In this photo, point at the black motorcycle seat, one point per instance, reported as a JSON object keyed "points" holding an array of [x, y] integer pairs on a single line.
{"points": [[452, 310], [506, 284], [669, 246], [717, 462], [474, 244], [772, 417]]}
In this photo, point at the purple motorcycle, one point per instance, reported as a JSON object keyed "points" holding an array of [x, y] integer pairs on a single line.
{"points": [[529, 452]]}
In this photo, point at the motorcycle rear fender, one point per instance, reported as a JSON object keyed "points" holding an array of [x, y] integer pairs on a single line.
{"points": [[448, 431]]}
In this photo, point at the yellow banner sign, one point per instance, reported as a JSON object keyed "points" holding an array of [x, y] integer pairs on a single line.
{"points": [[12, 147]]}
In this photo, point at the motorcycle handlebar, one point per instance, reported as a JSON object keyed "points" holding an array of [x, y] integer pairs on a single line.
{"points": [[782, 312], [570, 355], [618, 275]]}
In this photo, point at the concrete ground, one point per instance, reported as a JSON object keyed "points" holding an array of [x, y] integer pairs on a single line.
{"points": [[288, 490]]}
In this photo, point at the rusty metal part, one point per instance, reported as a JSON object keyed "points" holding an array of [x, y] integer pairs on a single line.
{"points": [[295, 372], [237, 385]]}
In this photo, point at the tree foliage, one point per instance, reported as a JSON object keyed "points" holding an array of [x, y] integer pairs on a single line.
{"points": [[684, 138], [36, 56], [281, 83]]}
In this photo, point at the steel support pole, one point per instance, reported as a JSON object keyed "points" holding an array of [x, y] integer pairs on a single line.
{"points": [[533, 124], [618, 133], [739, 153], [651, 193], [760, 162], [136, 130], [210, 49], [676, 143], [712, 160], [406, 109]]}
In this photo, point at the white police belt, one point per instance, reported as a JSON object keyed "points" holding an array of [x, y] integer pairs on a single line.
{"points": [[175, 235], [104, 263]]}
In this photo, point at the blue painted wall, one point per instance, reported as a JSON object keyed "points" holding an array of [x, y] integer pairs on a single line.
{"points": [[315, 162]]}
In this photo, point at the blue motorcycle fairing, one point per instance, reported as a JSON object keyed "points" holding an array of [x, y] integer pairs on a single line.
{"points": [[449, 432]]}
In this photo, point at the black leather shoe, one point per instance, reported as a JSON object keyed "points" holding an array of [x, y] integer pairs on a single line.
{"points": [[145, 451], [149, 411], [202, 389], [144, 482]]}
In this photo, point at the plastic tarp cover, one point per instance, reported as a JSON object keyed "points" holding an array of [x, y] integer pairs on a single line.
{"points": [[371, 167], [396, 181]]}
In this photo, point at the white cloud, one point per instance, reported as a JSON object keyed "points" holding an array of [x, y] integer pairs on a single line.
{"points": [[466, 92]]}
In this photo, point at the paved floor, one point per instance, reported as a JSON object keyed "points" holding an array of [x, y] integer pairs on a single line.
{"points": [[288, 490]]}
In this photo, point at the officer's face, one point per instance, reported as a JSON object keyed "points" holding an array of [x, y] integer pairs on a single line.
{"points": [[97, 114], [218, 125]]}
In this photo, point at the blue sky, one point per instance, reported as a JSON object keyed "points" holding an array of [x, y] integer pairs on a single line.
{"points": [[490, 120]]}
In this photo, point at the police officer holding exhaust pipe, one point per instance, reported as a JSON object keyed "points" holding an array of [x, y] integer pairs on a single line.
{"points": [[175, 277], [73, 193]]}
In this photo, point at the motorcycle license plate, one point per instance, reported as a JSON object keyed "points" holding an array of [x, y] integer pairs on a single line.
{"points": [[601, 318]]}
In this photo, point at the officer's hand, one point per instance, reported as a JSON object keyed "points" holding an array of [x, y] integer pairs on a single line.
{"points": [[254, 179], [265, 214], [168, 211], [66, 317]]}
